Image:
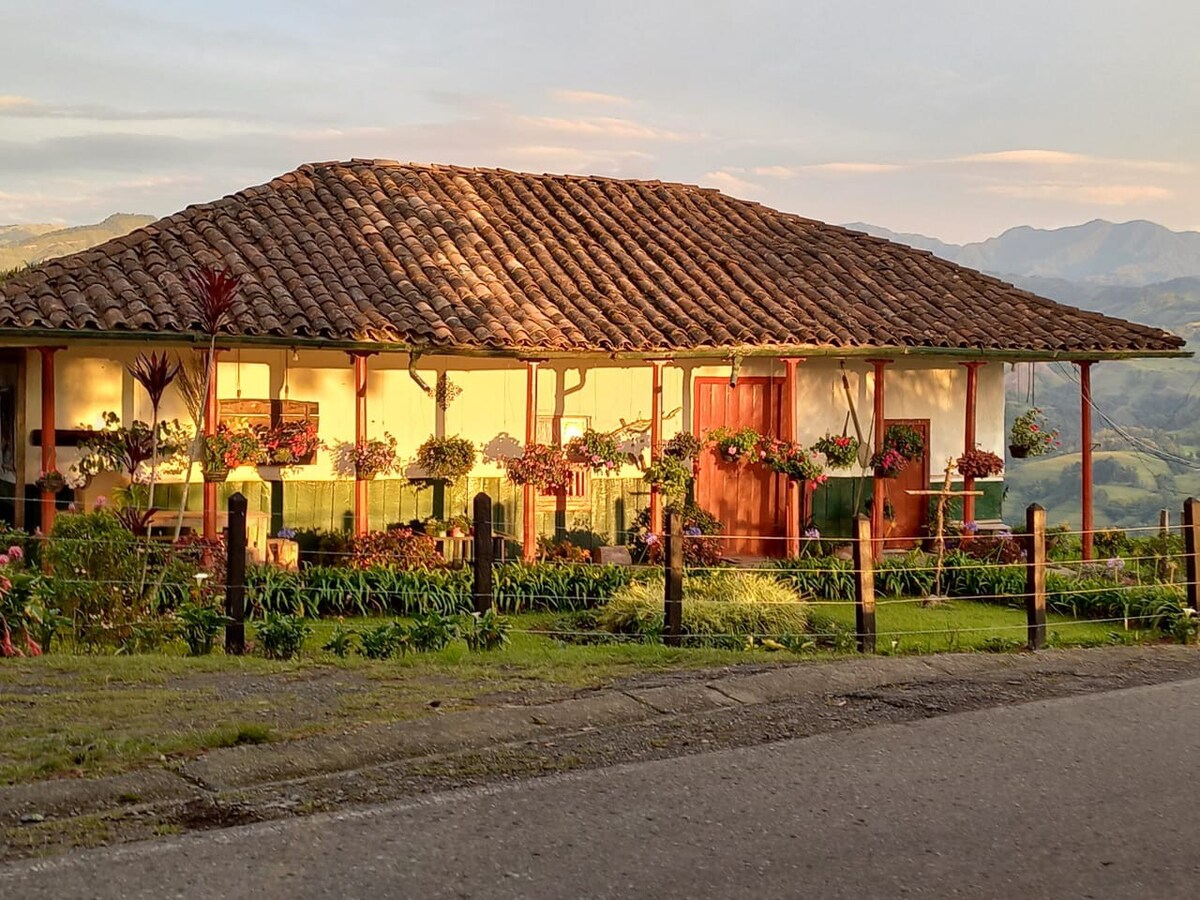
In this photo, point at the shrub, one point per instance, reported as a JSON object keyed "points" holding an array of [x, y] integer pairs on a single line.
{"points": [[701, 547], [341, 641], [383, 641], [669, 474], [720, 608], [281, 636], [397, 548], [562, 551], [96, 569], [199, 625], [431, 631], [485, 632]]}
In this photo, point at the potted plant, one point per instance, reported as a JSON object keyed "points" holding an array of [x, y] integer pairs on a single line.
{"points": [[840, 452], [232, 446], [684, 446], [541, 465], [791, 459], [289, 442], [734, 446], [51, 481], [446, 458], [979, 464], [1032, 435], [670, 475], [595, 450], [901, 445], [375, 457]]}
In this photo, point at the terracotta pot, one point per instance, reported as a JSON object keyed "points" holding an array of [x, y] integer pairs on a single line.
{"points": [[1017, 452]]}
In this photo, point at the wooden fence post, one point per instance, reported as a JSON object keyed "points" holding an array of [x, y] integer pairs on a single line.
{"points": [[235, 577], [1164, 522], [484, 547], [673, 592], [864, 585], [1035, 577], [1191, 545]]}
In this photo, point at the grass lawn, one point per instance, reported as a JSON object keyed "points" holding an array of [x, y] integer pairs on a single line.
{"points": [[72, 715]]}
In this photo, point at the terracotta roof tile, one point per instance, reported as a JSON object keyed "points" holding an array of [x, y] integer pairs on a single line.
{"points": [[449, 257]]}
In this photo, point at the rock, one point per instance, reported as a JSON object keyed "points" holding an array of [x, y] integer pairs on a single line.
{"points": [[612, 556], [31, 818]]}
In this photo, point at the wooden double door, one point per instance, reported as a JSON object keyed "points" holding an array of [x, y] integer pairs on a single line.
{"points": [[746, 497]]}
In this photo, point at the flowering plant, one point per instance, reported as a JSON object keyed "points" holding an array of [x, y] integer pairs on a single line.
{"points": [[905, 440], [1032, 435], [888, 463], [599, 451], [979, 464], [232, 446], [446, 458], [839, 452], [289, 443], [734, 446], [541, 465], [373, 457], [51, 481], [791, 459]]}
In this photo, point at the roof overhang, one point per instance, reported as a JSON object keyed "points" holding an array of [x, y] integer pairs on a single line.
{"points": [[33, 337]]}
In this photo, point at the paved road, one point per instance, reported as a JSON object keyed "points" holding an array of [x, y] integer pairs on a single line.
{"points": [[1092, 796]]}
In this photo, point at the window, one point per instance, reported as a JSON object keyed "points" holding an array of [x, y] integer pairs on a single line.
{"points": [[559, 430]]}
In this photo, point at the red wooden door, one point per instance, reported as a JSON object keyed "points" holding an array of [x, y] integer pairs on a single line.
{"points": [[746, 497], [911, 521]]}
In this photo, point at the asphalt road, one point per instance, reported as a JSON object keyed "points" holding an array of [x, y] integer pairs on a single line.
{"points": [[1089, 796]]}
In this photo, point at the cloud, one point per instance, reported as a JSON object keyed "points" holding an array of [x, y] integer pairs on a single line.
{"points": [[786, 173], [604, 126], [1095, 194], [1062, 158], [590, 98], [12, 101]]}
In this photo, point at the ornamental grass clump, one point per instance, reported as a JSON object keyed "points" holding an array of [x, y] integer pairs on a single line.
{"points": [[1032, 435], [720, 609], [446, 459], [544, 466]]}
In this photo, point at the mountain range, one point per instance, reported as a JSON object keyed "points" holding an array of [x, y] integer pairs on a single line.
{"points": [[1096, 252], [24, 244]]}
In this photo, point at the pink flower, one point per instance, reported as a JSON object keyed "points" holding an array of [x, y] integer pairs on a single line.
{"points": [[101, 502], [4, 560], [15, 552]]}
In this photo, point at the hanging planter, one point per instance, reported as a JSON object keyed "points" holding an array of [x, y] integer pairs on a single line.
{"points": [[215, 475], [542, 466], [791, 459], [597, 451], [1032, 435], [734, 446], [230, 447], [1018, 451], [52, 481], [446, 459], [289, 443], [979, 464], [840, 452], [888, 463]]}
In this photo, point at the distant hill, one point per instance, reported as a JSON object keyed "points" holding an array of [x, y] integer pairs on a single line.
{"points": [[1099, 252], [23, 244]]}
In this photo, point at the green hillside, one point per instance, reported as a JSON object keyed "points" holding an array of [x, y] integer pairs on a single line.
{"points": [[24, 244]]}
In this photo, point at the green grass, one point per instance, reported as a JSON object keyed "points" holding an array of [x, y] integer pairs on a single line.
{"points": [[88, 715]]}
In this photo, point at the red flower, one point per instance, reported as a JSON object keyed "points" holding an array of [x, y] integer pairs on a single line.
{"points": [[1033, 428]]}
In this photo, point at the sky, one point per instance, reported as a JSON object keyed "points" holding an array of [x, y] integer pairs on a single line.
{"points": [[952, 118]]}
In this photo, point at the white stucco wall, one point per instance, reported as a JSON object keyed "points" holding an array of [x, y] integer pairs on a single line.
{"points": [[491, 409]]}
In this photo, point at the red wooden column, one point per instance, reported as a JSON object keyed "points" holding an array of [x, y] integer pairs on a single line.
{"points": [[877, 492], [212, 416], [969, 433], [49, 447], [797, 496], [361, 509], [529, 491], [1085, 439], [656, 391]]}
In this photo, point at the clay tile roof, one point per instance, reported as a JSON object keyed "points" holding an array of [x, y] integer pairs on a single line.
{"points": [[439, 256]]}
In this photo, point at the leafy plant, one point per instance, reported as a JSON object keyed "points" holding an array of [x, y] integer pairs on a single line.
{"points": [[701, 546], [373, 457], [398, 548], [485, 632], [446, 458], [1032, 435], [550, 550], [840, 452], [199, 625], [905, 440], [233, 445], [683, 446], [281, 636], [670, 474], [979, 464], [595, 450], [791, 459], [126, 449], [94, 570], [431, 631], [341, 641], [734, 446], [289, 442], [541, 465], [383, 641]]}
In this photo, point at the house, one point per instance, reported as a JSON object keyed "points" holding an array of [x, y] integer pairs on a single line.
{"points": [[542, 304]]}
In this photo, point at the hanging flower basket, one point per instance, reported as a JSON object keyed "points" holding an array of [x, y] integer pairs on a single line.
{"points": [[542, 466], [683, 446], [979, 464], [840, 452], [233, 445], [446, 458], [791, 459], [1031, 433], [215, 475], [735, 446], [595, 450], [290, 443], [670, 475], [1018, 451], [888, 463], [52, 481]]}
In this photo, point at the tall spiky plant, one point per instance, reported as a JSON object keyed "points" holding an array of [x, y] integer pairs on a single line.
{"points": [[155, 372], [213, 291]]}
